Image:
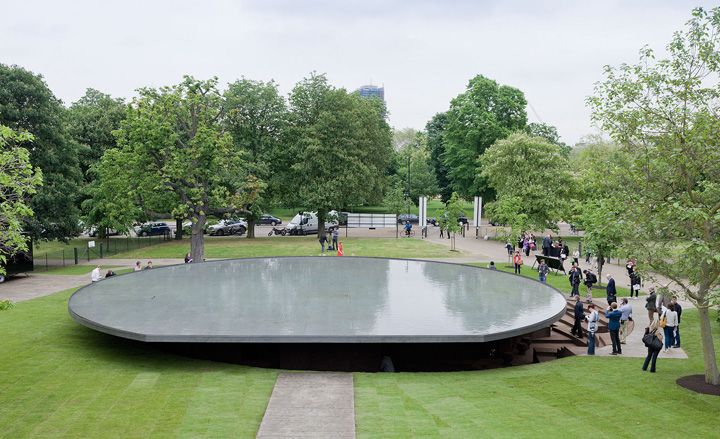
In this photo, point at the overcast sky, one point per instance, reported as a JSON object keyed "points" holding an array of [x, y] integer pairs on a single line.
{"points": [[423, 52]]}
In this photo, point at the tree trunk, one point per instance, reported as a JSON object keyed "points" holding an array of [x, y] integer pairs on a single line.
{"points": [[321, 222], [251, 227], [197, 240], [178, 228], [711, 368]]}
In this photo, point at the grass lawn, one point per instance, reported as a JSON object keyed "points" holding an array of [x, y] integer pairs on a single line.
{"points": [[295, 246], [58, 378]]}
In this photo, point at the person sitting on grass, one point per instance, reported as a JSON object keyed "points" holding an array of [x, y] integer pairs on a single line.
{"points": [[149, 266], [492, 266]]}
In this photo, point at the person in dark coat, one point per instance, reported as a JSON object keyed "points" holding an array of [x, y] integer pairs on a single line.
{"points": [[579, 314], [613, 315], [651, 306], [546, 244], [678, 310], [652, 351], [575, 278], [610, 290]]}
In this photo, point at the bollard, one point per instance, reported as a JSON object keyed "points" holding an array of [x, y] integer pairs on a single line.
{"points": [[76, 255], [101, 250], [63, 256]]}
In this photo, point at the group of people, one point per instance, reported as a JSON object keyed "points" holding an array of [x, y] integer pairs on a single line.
{"points": [[332, 238], [96, 276]]}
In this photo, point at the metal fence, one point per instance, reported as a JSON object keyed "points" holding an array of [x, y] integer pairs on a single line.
{"points": [[73, 255], [371, 220]]}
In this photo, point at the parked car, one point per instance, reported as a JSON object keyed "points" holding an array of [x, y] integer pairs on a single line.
{"points": [[108, 232], [150, 229], [269, 219], [307, 223], [434, 221], [228, 227], [187, 228], [404, 217]]}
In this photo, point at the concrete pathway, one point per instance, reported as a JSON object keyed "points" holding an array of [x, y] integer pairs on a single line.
{"points": [[19, 288], [310, 405]]}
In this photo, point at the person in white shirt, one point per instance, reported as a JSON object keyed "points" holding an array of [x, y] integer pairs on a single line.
{"points": [[671, 321], [626, 310], [95, 274], [138, 267], [576, 256], [592, 320]]}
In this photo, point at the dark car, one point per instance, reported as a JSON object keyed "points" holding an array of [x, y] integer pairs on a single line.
{"points": [[405, 217], [269, 219], [434, 221], [108, 232], [151, 229]]}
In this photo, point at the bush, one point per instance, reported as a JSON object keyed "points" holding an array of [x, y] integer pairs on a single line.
{"points": [[6, 304]]}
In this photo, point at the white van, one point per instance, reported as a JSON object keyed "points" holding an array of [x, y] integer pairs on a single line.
{"points": [[306, 223]]}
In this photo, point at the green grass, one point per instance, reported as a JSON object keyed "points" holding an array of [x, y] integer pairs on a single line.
{"points": [[294, 246], [60, 379]]}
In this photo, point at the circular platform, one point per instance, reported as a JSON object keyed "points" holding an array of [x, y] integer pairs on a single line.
{"points": [[317, 300]]}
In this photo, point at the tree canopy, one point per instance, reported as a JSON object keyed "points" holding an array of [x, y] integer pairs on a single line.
{"points": [[28, 105]]}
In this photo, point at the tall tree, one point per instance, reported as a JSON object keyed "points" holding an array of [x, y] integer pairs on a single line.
{"points": [[435, 130], [664, 115], [533, 170], [18, 180], [414, 168], [255, 115], [484, 113], [27, 104], [174, 134], [91, 122], [339, 147], [549, 133]]}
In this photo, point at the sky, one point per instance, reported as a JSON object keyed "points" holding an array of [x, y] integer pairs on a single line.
{"points": [[423, 52]]}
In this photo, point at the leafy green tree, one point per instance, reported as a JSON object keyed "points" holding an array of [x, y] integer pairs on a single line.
{"points": [[533, 170], [549, 133], [477, 118], [27, 104], [663, 114], [450, 217], [91, 122], [174, 136], [420, 179], [18, 180], [509, 210], [255, 115], [339, 147], [435, 130], [395, 202]]}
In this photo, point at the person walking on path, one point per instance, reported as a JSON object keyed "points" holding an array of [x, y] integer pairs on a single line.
{"points": [[575, 279], [634, 282], [613, 315], [590, 280], [517, 261], [650, 306], [654, 343], [678, 310], [592, 320], [576, 256], [626, 310], [671, 321], [543, 271], [579, 314]]}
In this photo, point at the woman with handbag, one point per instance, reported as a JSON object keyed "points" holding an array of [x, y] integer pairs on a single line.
{"points": [[654, 344]]}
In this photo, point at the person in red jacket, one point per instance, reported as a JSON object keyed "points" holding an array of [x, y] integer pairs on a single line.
{"points": [[517, 261]]}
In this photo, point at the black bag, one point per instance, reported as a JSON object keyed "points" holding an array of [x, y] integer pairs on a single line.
{"points": [[648, 339], [651, 341]]}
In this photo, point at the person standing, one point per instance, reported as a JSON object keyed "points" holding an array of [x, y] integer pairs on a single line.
{"points": [[654, 343], [579, 314], [650, 306], [613, 315], [508, 247], [592, 320], [576, 257], [626, 316], [611, 290], [590, 280], [634, 282], [671, 321], [546, 245], [335, 236], [678, 310], [517, 261], [575, 279], [543, 271], [323, 240]]}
